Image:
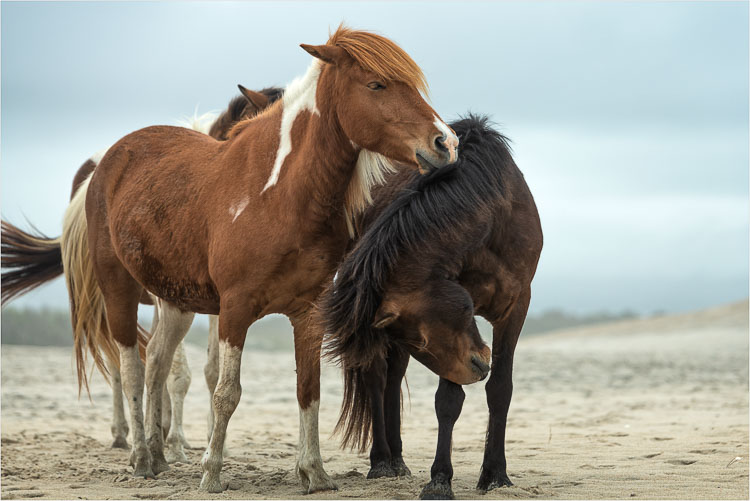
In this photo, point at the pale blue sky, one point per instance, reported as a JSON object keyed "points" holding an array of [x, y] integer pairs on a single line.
{"points": [[629, 120]]}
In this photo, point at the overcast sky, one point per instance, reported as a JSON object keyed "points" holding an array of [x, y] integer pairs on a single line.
{"points": [[629, 120]]}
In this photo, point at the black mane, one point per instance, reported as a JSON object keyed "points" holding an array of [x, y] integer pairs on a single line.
{"points": [[441, 205], [237, 105]]}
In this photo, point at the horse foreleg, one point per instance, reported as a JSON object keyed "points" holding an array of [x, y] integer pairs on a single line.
{"points": [[308, 339], [499, 390], [449, 400], [171, 329], [119, 423], [178, 383], [233, 324]]}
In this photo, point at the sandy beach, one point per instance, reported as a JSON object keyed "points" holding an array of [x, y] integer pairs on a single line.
{"points": [[645, 409]]}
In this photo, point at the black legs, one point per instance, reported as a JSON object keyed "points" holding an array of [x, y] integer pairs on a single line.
{"points": [[385, 393], [449, 400], [499, 390]]}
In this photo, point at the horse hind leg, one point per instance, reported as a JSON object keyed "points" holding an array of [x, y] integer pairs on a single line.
{"points": [[119, 423], [398, 360], [499, 389], [172, 327], [211, 373], [121, 293], [178, 383], [166, 404]]}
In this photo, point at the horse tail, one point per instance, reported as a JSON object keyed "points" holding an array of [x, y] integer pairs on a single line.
{"points": [[355, 420], [31, 259], [88, 312]]}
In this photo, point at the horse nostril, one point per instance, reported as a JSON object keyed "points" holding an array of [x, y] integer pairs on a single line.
{"points": [[440, 143], [480, 366]]}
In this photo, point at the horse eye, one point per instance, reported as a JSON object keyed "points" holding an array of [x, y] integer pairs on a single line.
{"points": [[375, 86]]}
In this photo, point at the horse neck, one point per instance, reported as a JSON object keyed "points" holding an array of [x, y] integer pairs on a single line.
{"points": [[324, 163]]}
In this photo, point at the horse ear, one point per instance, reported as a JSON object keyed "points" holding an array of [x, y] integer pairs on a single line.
{"points": [[384, 318], [328, 53], [260, 101]]}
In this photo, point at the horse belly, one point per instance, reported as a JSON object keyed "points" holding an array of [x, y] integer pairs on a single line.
{"points": [[169, 264]]}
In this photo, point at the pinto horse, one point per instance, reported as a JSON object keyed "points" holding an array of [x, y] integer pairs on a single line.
{"points": [[251, 226], [460, 241], [30, 260]]}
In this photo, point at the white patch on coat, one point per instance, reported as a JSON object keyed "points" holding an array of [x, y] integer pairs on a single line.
{"points": [[236, 209], [298, 96], [369, 172]]}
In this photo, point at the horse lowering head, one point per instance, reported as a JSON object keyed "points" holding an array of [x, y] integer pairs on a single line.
{"points": [[435, 322], [374, 89]]}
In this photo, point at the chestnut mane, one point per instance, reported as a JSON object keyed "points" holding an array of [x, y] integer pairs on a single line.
{"points": [[379, 55], [374, 53], [443, 208]]}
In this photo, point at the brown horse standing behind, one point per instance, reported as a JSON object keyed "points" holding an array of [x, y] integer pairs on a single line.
{"points": [[252, 226]]}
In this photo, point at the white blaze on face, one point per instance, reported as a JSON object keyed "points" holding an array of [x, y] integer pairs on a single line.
{"points": [[298, 96], [451, 140]]}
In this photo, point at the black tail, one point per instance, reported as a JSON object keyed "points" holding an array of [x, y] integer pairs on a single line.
{"points": [[28, 260]]}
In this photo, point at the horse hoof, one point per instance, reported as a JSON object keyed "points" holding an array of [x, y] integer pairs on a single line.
{"points": [[175, 455], [399, 467], [325, 484], [489, 481], [314, 480], [380, 470], [160, 465], [120, 443], [143, 471], [438, 488], [211, 483]]}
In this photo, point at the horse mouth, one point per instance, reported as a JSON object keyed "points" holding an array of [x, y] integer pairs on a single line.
{"points": [[424, 165]]}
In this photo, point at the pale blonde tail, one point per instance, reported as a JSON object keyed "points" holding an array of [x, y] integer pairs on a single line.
{"points": [[87, 309]]}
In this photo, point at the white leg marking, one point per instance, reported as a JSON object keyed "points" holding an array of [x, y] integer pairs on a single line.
{"points": [[132, 385], [225, 400], [309, 462], [211, 372], [298, 95], [178, 383], [171, 329], [119, 423]]}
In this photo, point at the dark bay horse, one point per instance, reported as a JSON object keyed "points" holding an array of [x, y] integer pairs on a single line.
{"points": [[459, 241], [251, 226], [31, 259]]}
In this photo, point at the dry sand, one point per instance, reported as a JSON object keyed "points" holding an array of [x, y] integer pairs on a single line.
{"points": [[654, 408]]}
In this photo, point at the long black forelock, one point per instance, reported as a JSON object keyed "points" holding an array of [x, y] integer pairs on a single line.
{"points": [[439, 204]]}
